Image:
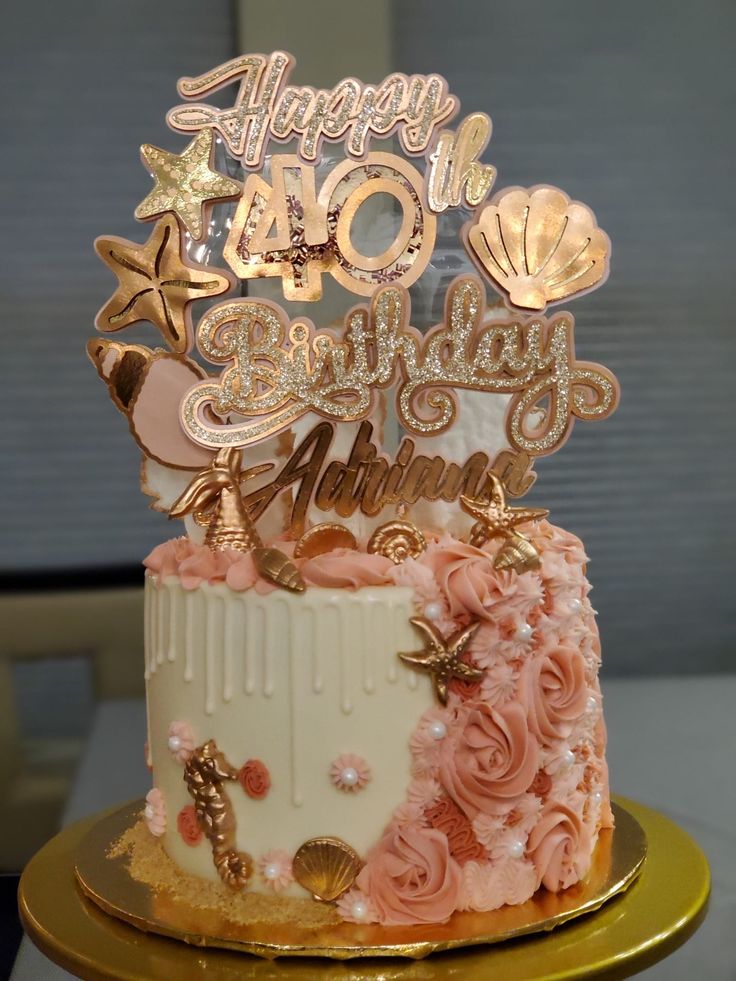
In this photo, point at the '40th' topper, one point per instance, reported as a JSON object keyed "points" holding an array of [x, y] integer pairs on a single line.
{"points": [[290, 216]]}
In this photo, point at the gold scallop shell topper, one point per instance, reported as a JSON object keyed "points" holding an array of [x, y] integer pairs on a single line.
{"points": [[397, 540], [323, 538], [326, 867], [538, 246]]}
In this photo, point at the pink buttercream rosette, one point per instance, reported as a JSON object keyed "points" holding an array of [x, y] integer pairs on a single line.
{"points": [[410, 877]]}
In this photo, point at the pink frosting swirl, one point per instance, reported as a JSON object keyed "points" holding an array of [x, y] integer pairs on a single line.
{"points": [[410, 877], [559, 847], [166, 558], [466, 576], [489, 759], [556, 693], [344, 568]]}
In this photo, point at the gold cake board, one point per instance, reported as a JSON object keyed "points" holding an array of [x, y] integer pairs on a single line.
{"points": [[658, 913]]}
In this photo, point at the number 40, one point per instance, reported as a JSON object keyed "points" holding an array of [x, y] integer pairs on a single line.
{"points": [[286, 229]]}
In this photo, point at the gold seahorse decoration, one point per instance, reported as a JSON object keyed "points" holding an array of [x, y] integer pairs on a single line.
{"points": [[216, 501], [204, 774]]}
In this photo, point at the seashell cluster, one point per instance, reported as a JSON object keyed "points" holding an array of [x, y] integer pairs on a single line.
{"points": [[538, 246], [397, 540], [326, 867]]}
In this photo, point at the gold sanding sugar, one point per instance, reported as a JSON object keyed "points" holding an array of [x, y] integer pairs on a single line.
{"points": [[148, 863]]}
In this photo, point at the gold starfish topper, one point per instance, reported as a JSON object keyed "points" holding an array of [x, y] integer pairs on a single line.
{"points": [[156, 284], [442, 658], [495, 518], [185, 183]]}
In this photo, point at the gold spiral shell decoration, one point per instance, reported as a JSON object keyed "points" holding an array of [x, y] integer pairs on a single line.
{"points": [[538, 246], [326, 867], [397, 540], [324, 538], [518, 554], [278, 568]]}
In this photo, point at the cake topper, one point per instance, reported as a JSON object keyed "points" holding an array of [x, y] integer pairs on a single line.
{"points": [[185, 183], [156, 283], [307, 401]]}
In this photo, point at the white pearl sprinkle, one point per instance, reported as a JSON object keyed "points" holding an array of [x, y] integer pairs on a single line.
{"points": [[569, 757], [576, 605], [349, 776], [598, 797], [524, 632], [433, 611], [174, 744], [516, 849], [437, 730], [271, 871], [592, 704], [359, 911]]}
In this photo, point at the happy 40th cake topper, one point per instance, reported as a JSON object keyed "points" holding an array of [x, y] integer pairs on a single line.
{"points": [[288, 221]]}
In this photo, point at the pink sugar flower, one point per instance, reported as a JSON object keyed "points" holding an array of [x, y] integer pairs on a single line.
{"points": [[274, 867], [427, 738], [355, 907], [181, 741], [350, 772], [155, 812], [499, 683]]}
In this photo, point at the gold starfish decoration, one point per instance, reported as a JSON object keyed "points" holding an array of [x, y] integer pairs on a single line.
{"points": [[442, 658], [156, 284], [185, 182], [495, 517]]}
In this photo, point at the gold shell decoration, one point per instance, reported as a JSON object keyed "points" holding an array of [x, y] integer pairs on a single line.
{"points": [[326, 867], [397, 540], [517, 553], [278, 568], [324, 538], [538, 246]]}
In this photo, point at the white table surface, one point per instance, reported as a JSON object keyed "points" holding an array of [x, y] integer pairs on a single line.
{"points": [[672, 744]]}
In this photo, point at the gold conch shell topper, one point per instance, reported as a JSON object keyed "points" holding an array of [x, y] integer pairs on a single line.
{"points": [[215, 499], [538, 246]]}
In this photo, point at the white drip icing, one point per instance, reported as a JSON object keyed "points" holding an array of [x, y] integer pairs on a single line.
{"points": [[212, 644], [268, 646], [252, 629], [147, 627], [318, 682], [172, 618], [392, 674], [347, 654], [294, 690], [228, 640], [188, 638], [366, 615], [161, 626]]}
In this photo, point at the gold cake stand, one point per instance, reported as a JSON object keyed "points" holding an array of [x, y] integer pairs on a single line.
{"points": [[643, 924]]}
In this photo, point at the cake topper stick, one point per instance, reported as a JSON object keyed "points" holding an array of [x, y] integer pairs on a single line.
{"points": [[216, 500]]}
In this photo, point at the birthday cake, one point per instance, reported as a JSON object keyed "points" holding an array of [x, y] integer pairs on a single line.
{"points": [[372, 679]]}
